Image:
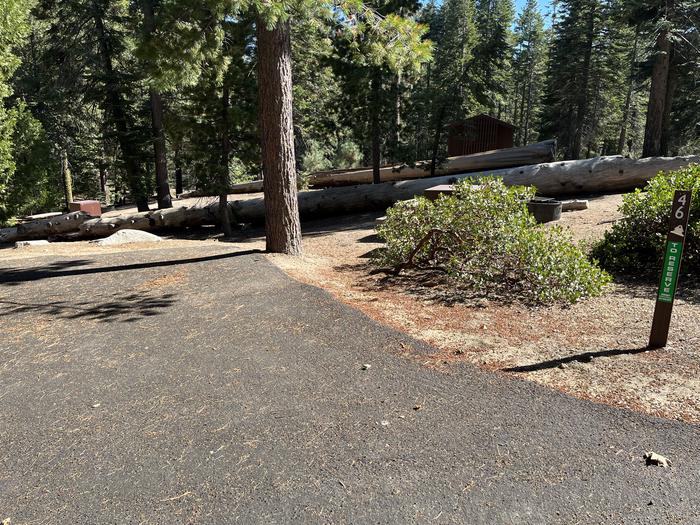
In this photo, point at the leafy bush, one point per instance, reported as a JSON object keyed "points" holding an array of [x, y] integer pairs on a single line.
{"points": [[635, 244], [486, 241]]}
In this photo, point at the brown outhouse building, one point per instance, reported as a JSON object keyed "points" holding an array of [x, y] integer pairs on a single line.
{"points": [[479, 133]]}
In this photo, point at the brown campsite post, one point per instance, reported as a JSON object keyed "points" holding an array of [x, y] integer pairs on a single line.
{"points": [[675, 242]]}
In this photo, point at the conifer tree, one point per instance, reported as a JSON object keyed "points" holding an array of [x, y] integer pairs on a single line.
{"points": [[528, 77], [491, 64]]}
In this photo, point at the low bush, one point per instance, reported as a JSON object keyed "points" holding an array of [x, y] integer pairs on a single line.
{"points": [[486, 241], [635, 244]]}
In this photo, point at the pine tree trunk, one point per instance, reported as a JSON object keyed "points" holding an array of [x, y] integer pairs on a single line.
{"points": [[436, 140], [178, 172], [376, 131], [116, 107], [225, 157], [282, 226], [104, 189], [67, 179], [668, 105], [527, 109], [653, 130], [159, 150]]}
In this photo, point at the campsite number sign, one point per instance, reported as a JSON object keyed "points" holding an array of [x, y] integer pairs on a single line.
{"points": [[675, 243]]}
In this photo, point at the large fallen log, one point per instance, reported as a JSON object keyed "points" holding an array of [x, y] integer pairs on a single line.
{"points": [[185, 217], [8, 235], [43, 228], [597, 175], [487, 160], [555, 179]]}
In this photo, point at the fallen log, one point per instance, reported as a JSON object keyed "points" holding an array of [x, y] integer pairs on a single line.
{"points": [[487, 160], [44, 228], [597, 175], [255, 186], [555, 179], [8, 235], [184, 217]]}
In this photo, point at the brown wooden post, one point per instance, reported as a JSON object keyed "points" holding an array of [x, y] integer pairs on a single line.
{"points": [[678, 228]]}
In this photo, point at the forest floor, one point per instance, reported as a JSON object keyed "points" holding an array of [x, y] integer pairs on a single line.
{"points": [[594, 350]]}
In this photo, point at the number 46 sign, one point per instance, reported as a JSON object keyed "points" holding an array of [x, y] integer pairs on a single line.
{"points": [[675, 242]]}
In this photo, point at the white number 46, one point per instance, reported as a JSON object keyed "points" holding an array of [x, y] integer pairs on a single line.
{"points": [[683, 199]]}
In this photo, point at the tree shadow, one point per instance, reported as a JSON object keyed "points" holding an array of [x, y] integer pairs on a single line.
{"points": [[125, 308], [16, 276], [646, 287], [585, 357]]}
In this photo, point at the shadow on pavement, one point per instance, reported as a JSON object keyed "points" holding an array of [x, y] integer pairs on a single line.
{"points": [[15, 276], [126, 308], [585, 357]]}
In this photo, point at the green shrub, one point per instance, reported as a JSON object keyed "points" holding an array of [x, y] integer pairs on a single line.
{"points": [[486, 241], [635, 244]]}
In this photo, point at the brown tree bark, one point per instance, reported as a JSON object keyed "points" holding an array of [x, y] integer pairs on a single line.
{"points": [[282, 226], [159, 150], [653, 130], [668, 105]]}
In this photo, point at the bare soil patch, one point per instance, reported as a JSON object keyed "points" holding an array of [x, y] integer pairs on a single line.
{"points": [[593, 350]]}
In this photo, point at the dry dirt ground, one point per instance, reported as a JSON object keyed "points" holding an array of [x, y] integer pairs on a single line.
{"points": [[593, 350]]}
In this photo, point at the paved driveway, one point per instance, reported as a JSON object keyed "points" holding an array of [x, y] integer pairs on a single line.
{"points": [[205, 386]]}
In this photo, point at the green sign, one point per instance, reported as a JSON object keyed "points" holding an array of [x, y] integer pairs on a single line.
{"points": [[669, 277]]}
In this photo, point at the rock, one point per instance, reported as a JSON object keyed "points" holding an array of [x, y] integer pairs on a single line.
{"points": [[366, 367], [127, 236], [652, 458], [385, 423], [29, 244]]}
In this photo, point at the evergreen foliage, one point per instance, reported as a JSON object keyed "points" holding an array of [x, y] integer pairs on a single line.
{"points": [[128, 91]]}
